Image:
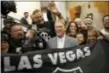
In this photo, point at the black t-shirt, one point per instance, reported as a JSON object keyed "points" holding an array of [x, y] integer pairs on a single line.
{"points": [[46, 30]]}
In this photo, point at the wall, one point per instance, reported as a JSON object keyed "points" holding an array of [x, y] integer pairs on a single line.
{"points": [[30, 6], [62, 8], [103, 7], [99, 9], [70, 7], [25, 7]]}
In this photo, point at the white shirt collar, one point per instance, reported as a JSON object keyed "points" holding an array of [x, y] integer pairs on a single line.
{"points": [[61, 37], [60, 42], [103, 31]]}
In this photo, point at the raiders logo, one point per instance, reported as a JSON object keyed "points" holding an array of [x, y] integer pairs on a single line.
{"points": [[45, 35], [73, 70], [18, 50]]}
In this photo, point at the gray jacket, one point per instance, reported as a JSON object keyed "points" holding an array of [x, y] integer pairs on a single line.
{"points": [[69, 42]]}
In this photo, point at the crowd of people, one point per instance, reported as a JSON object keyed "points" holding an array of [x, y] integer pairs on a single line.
{"points": [[51, 34]]}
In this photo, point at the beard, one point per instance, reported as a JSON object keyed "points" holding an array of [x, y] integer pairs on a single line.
{"points": [[19, 36], [106, 25], [41, 25], [39, 22]]}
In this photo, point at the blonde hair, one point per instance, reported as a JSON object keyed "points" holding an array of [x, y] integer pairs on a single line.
{"points": [[35, 11], [51, 4]]}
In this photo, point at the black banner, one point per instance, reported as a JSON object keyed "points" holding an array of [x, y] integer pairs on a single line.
{"points": [[71, 60]]}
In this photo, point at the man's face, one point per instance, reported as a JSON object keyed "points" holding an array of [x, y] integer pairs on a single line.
{"points": [[38, 18], [92, 38], [106, 22], [26, 15], [59, 29], [17, 32]]}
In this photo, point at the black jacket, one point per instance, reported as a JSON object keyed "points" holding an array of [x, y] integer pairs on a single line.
{"points": [[37, 43], [24, 21], [15, 46]]}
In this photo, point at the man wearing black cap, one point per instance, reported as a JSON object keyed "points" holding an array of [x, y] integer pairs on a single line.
{"points": [[8, 22], [5, 34]]}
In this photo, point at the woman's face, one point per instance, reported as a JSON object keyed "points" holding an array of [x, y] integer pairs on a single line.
{"points": [[73, 28], [80, 38]]}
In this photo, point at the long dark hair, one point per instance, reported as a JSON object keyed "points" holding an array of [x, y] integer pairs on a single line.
{"points": [[68, 31]]}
